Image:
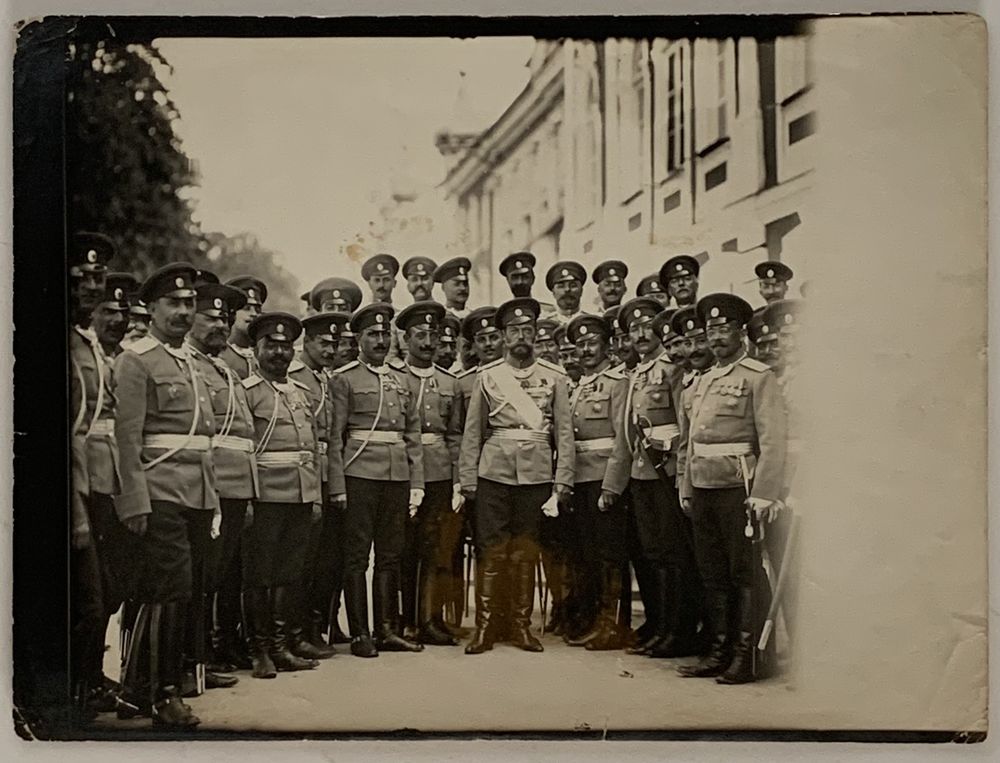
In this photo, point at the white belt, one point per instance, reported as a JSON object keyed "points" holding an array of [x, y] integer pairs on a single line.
{"points": [[179, 441], [598, 443], [375, 435], [794, 445], [232, 442], [709, 449], [323, 448], [102, 428], [431, 438], [285, 458], [662, 434], [529, 435]]}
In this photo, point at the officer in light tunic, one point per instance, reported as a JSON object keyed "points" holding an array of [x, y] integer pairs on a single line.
{"points": [[376, 476], [453, 275], [164, 424], [610, 279], [773, 278], [565, 280], [517, 460], [734, 465], [288, 476], [648, 437], [239, 355], [680, 276], [419, 274]]}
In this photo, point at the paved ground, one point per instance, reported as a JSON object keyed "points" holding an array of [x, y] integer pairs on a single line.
{"points": [[442, 689]]}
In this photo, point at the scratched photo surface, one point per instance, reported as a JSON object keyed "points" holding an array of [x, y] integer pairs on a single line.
{"points": [[574, 530]]}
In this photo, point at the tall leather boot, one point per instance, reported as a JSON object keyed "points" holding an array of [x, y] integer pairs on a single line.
{"points": [[284, 660], [720, 652], [653, 599], [257, 606], [135, 662], [337, 635], [385, 603], [743, 668], [487, 582], [314, 635], [554, 578], [444, 588], [166, 650], [430, 610], [609, 635], [356, 603], [679, 626], [523, 597], [303, 636]]}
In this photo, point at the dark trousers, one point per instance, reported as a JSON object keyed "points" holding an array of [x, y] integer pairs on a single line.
{"points": [[640, 568], [508, 518], [87, 617], [224, 576], [598, 542], [323, 567], [274, 545]]}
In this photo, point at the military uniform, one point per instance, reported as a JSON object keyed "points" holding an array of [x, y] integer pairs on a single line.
{"points": [[663, 531], [518, 440], [735, 454], [241, 359]]}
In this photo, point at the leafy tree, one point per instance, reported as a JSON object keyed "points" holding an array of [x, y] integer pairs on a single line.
{"points": [[230, 256]]}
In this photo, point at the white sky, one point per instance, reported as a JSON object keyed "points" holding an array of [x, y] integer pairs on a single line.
{"points": [[297, 140]]}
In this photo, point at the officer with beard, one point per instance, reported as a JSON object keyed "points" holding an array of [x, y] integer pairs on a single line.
{"points": [[653, 287], [419, 274], [164, 425], [519, 270], [517, 461], [610, 279], [453, 275], [235, 479], [680, 274], [288, 506], [138, 318], [314, 593], [434, 535], [446, 354], [239, 354], [734, 465], [376, 476]]}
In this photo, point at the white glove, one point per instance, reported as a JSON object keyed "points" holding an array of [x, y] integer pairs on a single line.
{"points": [[551, 507], [416, 498], [216, 524], [457, 499], [764, 510]]}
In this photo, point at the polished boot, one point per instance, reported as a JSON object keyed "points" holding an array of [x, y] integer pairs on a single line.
{"points": [[169, 709], [386, 611], [299, 624], [171, 712], [337, 635], [257, 603], [283, 659], [356, 602], [523, 597], [314, 636], [429, 610], [444, 587], [487, 582], [677, 628], [720, 650], [609, 635], [743, 668]]}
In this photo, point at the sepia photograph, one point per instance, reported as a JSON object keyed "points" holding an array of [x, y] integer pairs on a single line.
{"points": [[511, 377]]}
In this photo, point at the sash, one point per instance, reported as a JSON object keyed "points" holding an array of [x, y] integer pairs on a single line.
{"points": [[514, 395]]}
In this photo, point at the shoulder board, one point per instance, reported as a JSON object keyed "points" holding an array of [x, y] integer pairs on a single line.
{"points": [[252, 381], [299, 384], [296, 365], [398, 364], [491, 364], [551, 366], [445, 371], [348, 367], [144, 345], [618, 372], [467, 372], [754, 365]]}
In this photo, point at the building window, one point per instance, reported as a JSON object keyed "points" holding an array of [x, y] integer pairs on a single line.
{"points": [[715, 176], [674, 148], [802, 127]]}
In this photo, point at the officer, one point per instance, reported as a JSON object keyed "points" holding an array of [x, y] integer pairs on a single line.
{"points": [[307, 308], [110, 318], [335, 295], [546, 346], [138, 317], [239, 354], [652, 287], [288, 456], [446, 354], [438, 527], [314, 594], [610, 279], [697, 357], [379, 272], [235, 477], [680, 274], [419, 274], [567, 355], [648, 439], [518, 435], [164, 425], [616, 350], [519, 270], [773, 278], [732, 478], [763, 342], [599, 553], [453, 275], [565, 280], [668, 340], [376, 474]]}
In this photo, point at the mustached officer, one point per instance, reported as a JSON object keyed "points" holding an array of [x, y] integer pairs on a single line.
{"points": [[239, 355]]}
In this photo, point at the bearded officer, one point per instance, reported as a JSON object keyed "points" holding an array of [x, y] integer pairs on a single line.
{"points": [[288, 459], [599, 555], [418, 272], [446, 354], [734, 465], [680, 276], [517, 460], [648, 437], [519, 270], [163, 425], [453, 275], [376, 476], [565, 280], [239, 354], [653, 287], [138, 317], [772, 280], [438, 525], [314, 593], [235, 477], [610, 279]]}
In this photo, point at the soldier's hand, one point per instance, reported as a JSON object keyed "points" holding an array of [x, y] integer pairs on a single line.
{"points": [[562, 494], [469, 493], [339, 501], [764, 510], [80, 537], [686, 506], [607, 500], [137, 524], [216, 528], [248, 515], [317, 513], [457, 499]]}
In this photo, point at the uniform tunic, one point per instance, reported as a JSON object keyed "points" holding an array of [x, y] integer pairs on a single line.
{"points": [[93, 377], [240, 359], [438, 400], [317, 387]]}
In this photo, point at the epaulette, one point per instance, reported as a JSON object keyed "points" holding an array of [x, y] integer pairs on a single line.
{"points": [[348, 367], [299, 384], [491, 364], [617, 373], [551, 366], [445, 371], [754, 365], [143, 345], [296, 365], [467, 372], [398, 364], [621, 368], [252, 381]]}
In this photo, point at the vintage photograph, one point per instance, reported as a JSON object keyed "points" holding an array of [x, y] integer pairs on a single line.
{"points": [[443, 382]]}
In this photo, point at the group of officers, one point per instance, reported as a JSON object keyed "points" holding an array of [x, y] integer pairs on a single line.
{"points": [[233, 468]]}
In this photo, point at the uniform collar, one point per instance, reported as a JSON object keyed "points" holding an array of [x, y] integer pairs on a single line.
{"points": [[589, 378], [182, 353], [423, 373], [645, 365], [244, 352], [381, 370], [717, 372]]}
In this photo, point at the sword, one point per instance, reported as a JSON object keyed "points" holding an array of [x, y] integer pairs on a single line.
{"points": [[468, 577], [543, 595], [780, 585]]}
